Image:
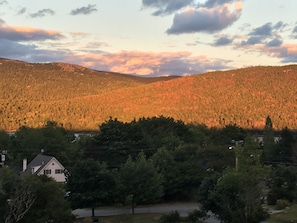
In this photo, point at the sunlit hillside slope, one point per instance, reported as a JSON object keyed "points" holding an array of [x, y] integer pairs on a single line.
{"points": [[81, 99]]}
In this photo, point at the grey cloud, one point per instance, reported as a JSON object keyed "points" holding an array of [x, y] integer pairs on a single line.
{"points": [[22, 11], [84, 10], [191, 21], [212, 3], [178, 67], [42, 13], [274, 43], [165, 7], [288, 56], [30, 53], [252, 41], [223, 41], [265, 30], [295, 29], [3, 2], [279, 25]]}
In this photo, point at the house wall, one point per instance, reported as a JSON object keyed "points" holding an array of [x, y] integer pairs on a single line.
{"points": [[50, 170]]}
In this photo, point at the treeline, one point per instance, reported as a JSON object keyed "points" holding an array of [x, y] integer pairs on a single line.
{"points": [[80, 99], [150, 160]]}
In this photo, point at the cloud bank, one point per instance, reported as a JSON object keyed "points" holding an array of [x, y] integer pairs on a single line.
{"points": [[15, 33]]}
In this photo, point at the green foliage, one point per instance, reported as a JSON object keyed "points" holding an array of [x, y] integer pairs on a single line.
{"points": [[32, 199], [90, 185], [269, 146], [139, 182], [237, 198], [50, 204], [283, 184], [52, 139], [172, 217]]}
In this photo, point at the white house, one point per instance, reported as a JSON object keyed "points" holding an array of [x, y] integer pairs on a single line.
{"points": [[45, 165]]}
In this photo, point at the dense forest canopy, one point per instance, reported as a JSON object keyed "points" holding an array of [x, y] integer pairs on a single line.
{"points": [[81, 99]]}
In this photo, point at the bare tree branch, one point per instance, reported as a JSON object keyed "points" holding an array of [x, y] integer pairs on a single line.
{"points": [[20, 203]]}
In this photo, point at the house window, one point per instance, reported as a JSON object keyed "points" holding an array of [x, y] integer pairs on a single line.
{"points": [[59, 171], [47, 172]]}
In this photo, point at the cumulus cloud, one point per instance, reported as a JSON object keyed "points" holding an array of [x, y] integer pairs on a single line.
{"points": [[15, 33], [42, 13], [205, 19], [165, 7], [84, 10]]}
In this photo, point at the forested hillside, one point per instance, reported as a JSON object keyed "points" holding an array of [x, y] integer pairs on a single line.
{"points": [[81, 99]]}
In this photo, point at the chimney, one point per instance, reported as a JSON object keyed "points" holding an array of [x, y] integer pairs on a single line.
{"points": [[24, 164]]}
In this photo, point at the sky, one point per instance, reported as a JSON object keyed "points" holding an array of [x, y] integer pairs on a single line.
{"points": [[151, 37]]}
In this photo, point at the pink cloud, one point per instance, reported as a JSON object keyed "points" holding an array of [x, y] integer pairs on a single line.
{"points": [[19, 33], [149, 63]]}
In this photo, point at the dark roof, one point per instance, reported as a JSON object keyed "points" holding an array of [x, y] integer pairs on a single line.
{"points": [[39, 160]]}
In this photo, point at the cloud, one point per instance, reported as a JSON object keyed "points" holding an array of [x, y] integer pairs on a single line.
{"points": [[265, 30], [223, 41], [3, 2], [84, 10], [15, 33], [42, 13], [213, 3], [149, 64], [286, 52], [165, 7], [204, 19], [253, 40], [274, 43], [22, 11], [29, 52]]}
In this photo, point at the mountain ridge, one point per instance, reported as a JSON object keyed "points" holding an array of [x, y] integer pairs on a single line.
{"points": [[81, 98]]}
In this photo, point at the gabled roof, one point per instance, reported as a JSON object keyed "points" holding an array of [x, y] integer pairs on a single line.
{"points": [[40, 161]]}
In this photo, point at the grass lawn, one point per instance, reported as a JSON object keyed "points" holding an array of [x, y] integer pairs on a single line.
{"points": [[136, 218], [288, 216]]}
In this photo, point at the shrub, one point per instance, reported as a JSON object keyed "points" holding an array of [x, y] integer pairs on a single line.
{"points": [[172, 217], [195, 216], [281, 204]]}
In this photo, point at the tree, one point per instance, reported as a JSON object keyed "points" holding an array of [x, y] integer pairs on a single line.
{"points": [[139, 182], [236, 196], [285, 147], [16, 197], [283, 184], [50, 204], [90, 185], [269, 153], [32, 199], [19, 202]]}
